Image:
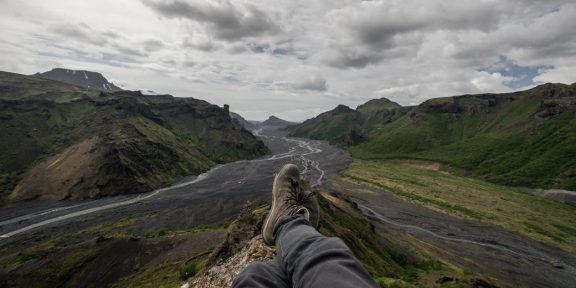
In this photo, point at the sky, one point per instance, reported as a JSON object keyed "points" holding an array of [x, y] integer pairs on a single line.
{"points": [[297, 58]]}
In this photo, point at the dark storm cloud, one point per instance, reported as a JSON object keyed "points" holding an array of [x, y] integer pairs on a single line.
{"points": [[226, 21], [374, 28]]}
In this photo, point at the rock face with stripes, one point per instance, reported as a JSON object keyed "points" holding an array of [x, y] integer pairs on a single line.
{"points": [[86, 79]]}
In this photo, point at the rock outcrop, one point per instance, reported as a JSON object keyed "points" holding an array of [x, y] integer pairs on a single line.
{"points": [[243, 245], [86, 79], [63, 142]]}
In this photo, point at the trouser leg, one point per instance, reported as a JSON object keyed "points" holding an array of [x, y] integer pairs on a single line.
{"points": [[261, 275], [311, 259]]}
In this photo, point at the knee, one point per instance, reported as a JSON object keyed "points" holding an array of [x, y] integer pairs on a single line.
{"points": [[335, 243]]}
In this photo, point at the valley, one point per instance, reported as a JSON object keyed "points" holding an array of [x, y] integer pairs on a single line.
{"points": [[191, 215]]}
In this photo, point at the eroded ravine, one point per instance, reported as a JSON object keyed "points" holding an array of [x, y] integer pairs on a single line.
{"points": [[299, 152]]}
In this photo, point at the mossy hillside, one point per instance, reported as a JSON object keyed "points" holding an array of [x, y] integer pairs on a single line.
{"points": [[35, 130], [535, 157], [524, 138], [538, 218], [389, 265], [334, 126], [146, 141], [159, 259], [16, 86]]}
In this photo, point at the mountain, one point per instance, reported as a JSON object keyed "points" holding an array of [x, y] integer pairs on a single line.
{"points": [[277, 122], [245, 123], [86, 79], [339, 126], [61, 141], [525, 138], [376, 105]]}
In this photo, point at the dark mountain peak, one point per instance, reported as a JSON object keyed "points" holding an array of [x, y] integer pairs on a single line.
{"points": [[87, 79], [343, 109], [275, 121], [554, 90], [273, 118], [377, 105], [124, 131]]}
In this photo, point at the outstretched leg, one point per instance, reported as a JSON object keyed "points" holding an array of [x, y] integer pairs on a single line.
{"points": [[306, 257], [311, 259], [261, 275]]}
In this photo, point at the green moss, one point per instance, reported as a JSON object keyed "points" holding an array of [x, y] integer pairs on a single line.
{"points": [[535, 217], [164, 232], [565, 229], [190, 269], [385, 282], [71, 263]]}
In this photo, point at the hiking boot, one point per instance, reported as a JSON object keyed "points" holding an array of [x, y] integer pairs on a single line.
{"points": [[290, 196]]}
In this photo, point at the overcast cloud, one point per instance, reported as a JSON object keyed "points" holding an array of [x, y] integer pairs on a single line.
{"points": [[297, 58]]}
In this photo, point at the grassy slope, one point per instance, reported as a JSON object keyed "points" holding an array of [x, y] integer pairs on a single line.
{"points": [[508, 147], [388, 265], [538, 218], [166, 258], [152, 140], [520, 139], [331, 126], [158, 259]]}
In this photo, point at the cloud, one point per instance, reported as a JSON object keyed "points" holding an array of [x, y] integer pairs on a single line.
{"points": [[373, 27], [315, 83], [81, 32], [297, 58], [199, 43], [222, 18], [151, 45]]}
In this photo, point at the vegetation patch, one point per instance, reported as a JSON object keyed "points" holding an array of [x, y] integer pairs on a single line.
{"points": [[538, 218]]}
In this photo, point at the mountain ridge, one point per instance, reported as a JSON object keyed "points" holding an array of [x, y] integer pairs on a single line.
{"points": [[275, 121], [64, 142], [83, 78], [509, 138]]}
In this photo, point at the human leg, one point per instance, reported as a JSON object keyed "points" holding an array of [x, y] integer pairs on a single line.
{"points": [[261, 275], [311, 259]]}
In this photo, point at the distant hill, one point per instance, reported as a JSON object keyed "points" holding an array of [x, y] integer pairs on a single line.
{"points": [[86, 79], [339, 126], [245, 123], [376, 105], [277, 122], [525, 138], [61, 141]]}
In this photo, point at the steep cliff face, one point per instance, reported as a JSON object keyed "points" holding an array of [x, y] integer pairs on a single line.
{"points": [[245, 123], [86, 79], [77, 144]]}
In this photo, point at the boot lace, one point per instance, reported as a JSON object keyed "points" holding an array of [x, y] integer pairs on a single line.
{"points": [[297, 196]]}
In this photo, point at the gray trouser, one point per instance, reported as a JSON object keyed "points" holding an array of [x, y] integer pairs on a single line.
{"points": [[306, 258]]}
